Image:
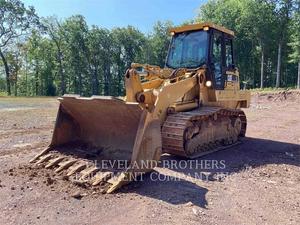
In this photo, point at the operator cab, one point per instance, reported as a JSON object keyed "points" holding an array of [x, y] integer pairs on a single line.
{"points": [[203, 45]]}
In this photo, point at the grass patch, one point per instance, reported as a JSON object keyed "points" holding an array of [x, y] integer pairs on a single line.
{"points": [[2, 94]]}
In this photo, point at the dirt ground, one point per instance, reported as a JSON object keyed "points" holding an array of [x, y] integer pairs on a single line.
{"points": [[259, 184]]}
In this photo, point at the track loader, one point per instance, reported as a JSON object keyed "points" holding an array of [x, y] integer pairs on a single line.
{"points": [[190, 108]]}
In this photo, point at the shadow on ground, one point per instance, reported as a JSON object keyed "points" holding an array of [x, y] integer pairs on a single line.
{"points": [[251, 153]]}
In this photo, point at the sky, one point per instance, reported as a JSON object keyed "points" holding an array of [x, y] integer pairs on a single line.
{"points": [[141, 14]]}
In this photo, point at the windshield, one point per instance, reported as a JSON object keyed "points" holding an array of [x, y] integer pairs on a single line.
{"points": [[188, 50]]}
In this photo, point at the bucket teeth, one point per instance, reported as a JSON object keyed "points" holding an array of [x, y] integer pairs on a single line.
{"points": [[115, 179], [44, 159], [65, 165], [55, 162], [83, 172], [76, 168], [116, 182], [87, 172], [45, 151], [101, 176]]}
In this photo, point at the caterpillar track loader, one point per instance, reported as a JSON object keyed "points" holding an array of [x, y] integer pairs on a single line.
{"points": [[189, 108]]}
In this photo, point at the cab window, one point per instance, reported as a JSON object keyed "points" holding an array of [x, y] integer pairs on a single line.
{"points": [[228, 53], [216, 58]]}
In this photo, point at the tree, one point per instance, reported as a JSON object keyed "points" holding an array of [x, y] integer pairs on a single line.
{"points": [[40, 54], [53, 28], [158, 43], [283, 18], [15, 21], [262, 31], [295, 40], [99, 54], [14, 61], [75, 33], [128, 47]]}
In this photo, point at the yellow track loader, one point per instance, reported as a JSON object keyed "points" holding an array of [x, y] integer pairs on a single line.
{"points": [[191, 107]]}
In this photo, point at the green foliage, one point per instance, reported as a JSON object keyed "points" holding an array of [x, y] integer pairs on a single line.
{"points": [[69, 57], [15, 21], [158, 43], [127, 46], [49, 56], [259, 26], [295, 35]]}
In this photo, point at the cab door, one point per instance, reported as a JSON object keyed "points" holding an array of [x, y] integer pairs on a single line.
{"points": [[231, 72], [217, 62]]}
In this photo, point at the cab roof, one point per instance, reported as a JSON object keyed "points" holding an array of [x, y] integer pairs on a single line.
{"points": [[201, 26]]}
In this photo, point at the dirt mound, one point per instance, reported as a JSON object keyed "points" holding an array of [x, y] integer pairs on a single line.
{"points": [[38, 176], [286, 95]]}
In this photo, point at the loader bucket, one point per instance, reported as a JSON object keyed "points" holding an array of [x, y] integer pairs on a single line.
{"points": [[97, 129], [103, 122]]}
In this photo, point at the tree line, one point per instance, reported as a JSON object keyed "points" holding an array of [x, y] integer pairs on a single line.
{"points": [[267, 44], [49, 56]]}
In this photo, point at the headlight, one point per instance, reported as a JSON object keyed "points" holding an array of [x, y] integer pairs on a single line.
{"points": [[208, 83]]}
